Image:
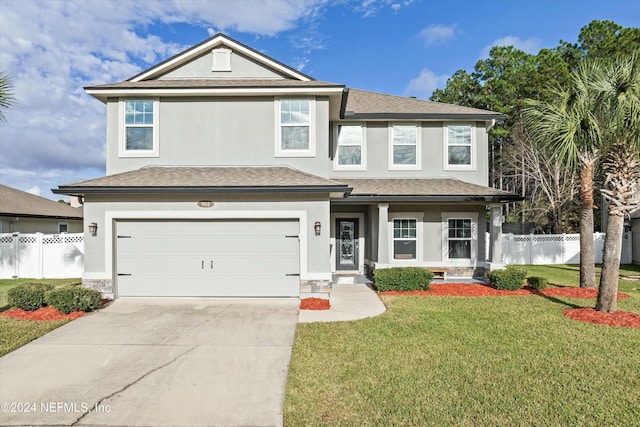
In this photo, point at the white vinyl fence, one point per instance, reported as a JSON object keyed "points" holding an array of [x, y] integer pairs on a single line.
{"points": [[38, 256], [555, 248]]}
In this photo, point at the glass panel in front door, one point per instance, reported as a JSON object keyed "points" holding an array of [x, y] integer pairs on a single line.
{"points": [[347, 244]]}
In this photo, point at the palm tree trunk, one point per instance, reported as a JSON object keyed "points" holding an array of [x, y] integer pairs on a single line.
{"points": [[608, 292], [587, 256]]}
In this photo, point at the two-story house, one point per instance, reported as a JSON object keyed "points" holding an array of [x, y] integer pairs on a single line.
{"points": [[232, 174]]}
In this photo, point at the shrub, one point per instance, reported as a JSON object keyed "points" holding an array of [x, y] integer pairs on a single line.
{"points": [[538, 283], [74, 298], [402, 279], [28, 296], [510, 279]]}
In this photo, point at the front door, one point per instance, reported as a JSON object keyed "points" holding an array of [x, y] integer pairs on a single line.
{"points": [[347, 244]]}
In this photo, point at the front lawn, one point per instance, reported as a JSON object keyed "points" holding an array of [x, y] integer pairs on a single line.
{"points": [[16, 333], [485, 361]]}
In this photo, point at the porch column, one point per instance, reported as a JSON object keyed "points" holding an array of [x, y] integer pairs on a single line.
{"points": [[383, 233], [495, 236]]}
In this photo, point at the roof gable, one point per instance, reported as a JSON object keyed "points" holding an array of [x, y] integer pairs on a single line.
{"points": [[218, 41]]}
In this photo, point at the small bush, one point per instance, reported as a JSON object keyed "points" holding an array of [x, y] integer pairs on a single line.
{"points": [[538, 283], [510, 279], [74, 298], [28, 296], [402, 279]]}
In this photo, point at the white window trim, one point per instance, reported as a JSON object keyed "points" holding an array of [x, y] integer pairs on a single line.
{"points": [[122, 130], [418, 165], [61, 224], [419, 217], [311, 152], [221, 58], [363, 148], [445, 149], [473, 216]]}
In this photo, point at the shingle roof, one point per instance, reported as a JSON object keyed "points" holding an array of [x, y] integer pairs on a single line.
{"points": [[427, 189], [365, 104], [218, 178], [14, 202]]}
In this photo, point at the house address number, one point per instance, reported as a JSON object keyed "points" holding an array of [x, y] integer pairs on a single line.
{"points": [[205, 203]]}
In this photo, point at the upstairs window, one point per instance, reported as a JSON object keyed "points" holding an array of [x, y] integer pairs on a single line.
{"points": [[404, 146], [459, 153], [140, 134], [350, 148], [295, 133]]}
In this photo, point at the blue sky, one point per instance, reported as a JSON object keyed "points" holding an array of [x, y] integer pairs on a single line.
{"points": [[56, 133]]}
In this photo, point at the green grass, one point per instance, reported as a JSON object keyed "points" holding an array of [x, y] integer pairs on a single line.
{"points": [[15, 333], [569, 275], [452, 361]]}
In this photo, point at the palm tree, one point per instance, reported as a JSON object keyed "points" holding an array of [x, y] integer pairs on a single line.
{"points": [[6, 95], [568, 126], [617, 94]]}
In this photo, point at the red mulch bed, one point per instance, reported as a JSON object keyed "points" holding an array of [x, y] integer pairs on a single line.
{"points": [[314, 304], [576, 292], [41, 314], [623, 319], [479, 290], [46, 313]]}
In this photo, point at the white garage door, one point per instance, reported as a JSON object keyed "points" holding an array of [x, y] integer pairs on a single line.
{"points": [[208, 258]]}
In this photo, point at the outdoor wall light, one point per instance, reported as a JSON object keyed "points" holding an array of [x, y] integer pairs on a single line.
{"points": [[317, 226], [93, 228]]}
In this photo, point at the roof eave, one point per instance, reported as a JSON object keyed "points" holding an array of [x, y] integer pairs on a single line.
{"points": [[103, 93], [41, 216], [83, 190], [430, 198], [424, 116]]}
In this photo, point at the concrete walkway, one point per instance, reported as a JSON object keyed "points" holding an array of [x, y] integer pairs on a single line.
{"points": [[156, 362], [348, 302]]}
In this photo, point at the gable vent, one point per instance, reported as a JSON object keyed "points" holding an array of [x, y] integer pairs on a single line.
{"points": [[221, 59]]}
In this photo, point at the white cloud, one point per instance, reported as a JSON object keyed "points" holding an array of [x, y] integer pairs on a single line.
{"points": [[35, 191], [55, 133], [437, 34], [371, 7], [531, 46], [422, 87]]}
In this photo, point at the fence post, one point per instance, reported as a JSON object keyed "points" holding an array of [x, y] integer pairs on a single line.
{"points": [[39, 245], [16, 255], [530, 259], [563, 249]]}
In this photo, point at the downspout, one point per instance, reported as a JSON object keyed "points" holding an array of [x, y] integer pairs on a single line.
{"points": [[491, 126], [343, 102]]}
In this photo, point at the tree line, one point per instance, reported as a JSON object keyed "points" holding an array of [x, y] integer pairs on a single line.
{"points": [[518, 162]]}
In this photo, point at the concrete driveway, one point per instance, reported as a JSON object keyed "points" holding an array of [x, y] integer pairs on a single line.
{"points": [[155, 362]]}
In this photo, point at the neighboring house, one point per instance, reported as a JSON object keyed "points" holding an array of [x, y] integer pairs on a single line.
{"points": [[232, 174], [22, 212]]}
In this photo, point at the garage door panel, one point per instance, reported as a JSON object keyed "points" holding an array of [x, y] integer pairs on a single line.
{"points": [[207, 258]]}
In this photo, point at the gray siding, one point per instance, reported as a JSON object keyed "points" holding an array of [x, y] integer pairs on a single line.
{"points": [[241, 68], [37, 225], [222, 131], [432, 154]]}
